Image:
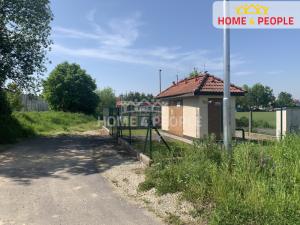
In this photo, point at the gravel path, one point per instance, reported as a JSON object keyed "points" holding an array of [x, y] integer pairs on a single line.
{"points": [[59, 180]]}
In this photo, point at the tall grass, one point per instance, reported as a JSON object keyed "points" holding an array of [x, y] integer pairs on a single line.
{"points": [[262, 186], [26, 124]]}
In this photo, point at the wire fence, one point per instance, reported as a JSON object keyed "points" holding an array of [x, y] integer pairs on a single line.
{"points": [[141, 129], [261, 122]]}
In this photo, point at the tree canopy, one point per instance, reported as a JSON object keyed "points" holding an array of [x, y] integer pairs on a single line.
{"points": [[257, 97], [136, 96], [194, 73], [14, 95], [107, 99], [285, 99], [24, 39], [70, 88], [261, 97]]}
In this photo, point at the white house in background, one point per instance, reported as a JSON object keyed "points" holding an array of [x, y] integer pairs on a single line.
{"points": [[193, 106]]}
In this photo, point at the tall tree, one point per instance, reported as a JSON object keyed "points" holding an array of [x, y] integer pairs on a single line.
{"points": [[107, 99], [243, 102], [261, 96], [256, 97], [24, 39], [285, 99], [70, 88]]}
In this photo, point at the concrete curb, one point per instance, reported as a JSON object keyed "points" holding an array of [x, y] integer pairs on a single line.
{"points": [[105, 129], [140, 156]]}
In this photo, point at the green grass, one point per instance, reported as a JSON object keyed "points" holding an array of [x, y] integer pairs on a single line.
{"points": [[27, 124], [137, 132], [262, 187], [260, 117], [159, 149]]}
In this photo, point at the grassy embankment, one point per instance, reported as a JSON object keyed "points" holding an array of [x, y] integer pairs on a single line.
{"points": [[27, 124], [262, 187]]}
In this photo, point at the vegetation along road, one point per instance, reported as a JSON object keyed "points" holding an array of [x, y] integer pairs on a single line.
{"points": [[57, 180]]}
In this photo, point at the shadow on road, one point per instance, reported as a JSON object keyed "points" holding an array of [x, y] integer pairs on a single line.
{"points": [[54, 157]]}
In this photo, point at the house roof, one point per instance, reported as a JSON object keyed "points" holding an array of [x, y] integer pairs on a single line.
{"points": [[203, 84]]}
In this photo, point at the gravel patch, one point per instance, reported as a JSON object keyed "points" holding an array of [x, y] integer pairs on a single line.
{"points": [[125, 179]]}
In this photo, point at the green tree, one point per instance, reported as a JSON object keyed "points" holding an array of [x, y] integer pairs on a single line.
{"points": [[70, 88], [194, 73], [136, 96], [24, 40], [285, 99], [107, 99], [14, 94], [243, 102], [261, 96]]}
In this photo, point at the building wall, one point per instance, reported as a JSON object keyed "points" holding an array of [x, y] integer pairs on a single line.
{"points": [[165, 116], [290, 121], [203, 117], [190, 116], [233, 111], [195, 116]]}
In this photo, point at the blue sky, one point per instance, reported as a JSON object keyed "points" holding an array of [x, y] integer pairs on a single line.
{"points": [[123, 43]]}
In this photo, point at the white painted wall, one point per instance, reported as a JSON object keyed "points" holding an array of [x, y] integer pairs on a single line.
{"points": [[290, 121], [165, 116], [195, 116], [190, 118]]}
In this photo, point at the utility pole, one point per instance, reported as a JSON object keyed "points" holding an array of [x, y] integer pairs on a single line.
{"points": [[159, 80], [227, 133]]}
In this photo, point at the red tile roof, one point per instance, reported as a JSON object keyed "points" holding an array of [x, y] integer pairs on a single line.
{"points": [[203, 84]]}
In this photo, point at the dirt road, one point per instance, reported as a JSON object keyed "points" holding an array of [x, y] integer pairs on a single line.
{"points": [[58, 180]]}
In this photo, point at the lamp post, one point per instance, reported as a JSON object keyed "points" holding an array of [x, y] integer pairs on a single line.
{"points": [[227, 134], [159, 80]]}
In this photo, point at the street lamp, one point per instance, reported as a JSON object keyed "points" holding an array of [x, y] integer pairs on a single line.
{"points": [[227, 134]]}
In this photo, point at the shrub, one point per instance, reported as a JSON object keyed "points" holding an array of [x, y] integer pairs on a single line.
{"points": [[262, 186], [242, 122], [11, 129], [4, 104]]}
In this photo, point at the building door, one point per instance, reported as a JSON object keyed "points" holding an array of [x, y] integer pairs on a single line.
{"points": [[176, 117], [215, 118]]}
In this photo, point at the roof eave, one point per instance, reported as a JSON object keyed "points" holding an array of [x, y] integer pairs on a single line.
{"points": [[189, 94]]}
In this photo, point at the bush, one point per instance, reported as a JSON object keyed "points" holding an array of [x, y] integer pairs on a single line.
{"points": [[4, 104], [11, 129], [262, 186], [262, 124], [242, 122]]}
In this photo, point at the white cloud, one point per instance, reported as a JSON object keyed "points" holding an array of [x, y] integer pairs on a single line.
{"points": [[275, 72], [117, 32], [243, 73], [115, 41]]}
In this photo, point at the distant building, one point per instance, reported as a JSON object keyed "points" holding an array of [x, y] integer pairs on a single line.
{"points": [[142, 106]]}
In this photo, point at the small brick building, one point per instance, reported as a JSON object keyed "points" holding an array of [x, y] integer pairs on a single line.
{"points": [[193, 106]]}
